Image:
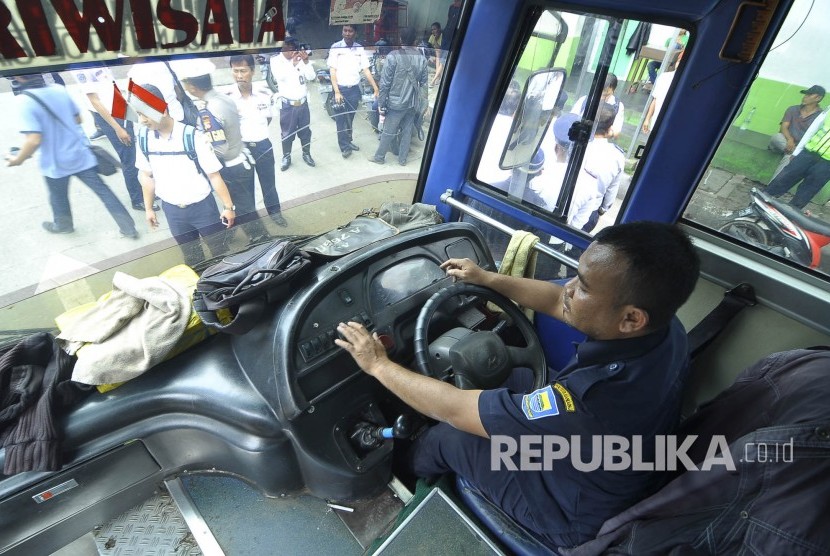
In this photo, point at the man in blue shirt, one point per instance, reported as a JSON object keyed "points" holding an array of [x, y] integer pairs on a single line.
{"points": [[50, 122], [624, 380]]}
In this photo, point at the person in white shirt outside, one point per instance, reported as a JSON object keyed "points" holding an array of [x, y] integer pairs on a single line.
{"points": [[586, 198], [292, 72], [658, 94], [184, 186], [96, 84], [606, 162], [254, 105], [607, 97], [347, 60]]}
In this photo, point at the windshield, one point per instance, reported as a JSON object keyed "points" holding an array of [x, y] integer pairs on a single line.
{"points": [[293, 140]]}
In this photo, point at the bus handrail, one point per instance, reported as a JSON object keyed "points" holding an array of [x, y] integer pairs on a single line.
{"points": [[543, 248]]}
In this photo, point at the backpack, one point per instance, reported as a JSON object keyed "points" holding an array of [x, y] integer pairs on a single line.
{"points": [[244, 283], [188, 140]]}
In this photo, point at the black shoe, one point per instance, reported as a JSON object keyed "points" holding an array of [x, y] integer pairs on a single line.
{"points": [[376, 160], [308, 160], [279, 220], [130, 235], [347, 153], [140, 206], [353, 146], [286, 162], [53, 228]]}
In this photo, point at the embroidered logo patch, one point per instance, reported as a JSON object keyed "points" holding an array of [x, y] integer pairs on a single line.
{"points": [[566, 397], [541, 403]]}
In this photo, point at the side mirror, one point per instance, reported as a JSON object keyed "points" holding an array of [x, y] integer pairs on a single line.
{"points": [[536, 109]]}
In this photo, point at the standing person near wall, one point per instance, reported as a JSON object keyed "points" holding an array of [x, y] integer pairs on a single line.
{"points": [[796, 120], [50, 122], [347, 60], [220, 122], [608, 96], [254, 105], [604, 161], [292, 72], [658, 94]]}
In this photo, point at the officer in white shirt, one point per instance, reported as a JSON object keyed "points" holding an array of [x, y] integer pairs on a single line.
{"points": [[347, 59], [292, 71], [586, 198], [607, 97], [183, 185], [254, 106], [606, 162], [97, 86]]}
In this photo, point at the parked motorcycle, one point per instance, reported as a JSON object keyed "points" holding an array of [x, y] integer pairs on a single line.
{"points": [[264, 62], [779, 228]]}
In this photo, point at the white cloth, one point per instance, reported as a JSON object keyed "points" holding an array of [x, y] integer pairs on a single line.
{"points": [[157, 73], [616, 127], [177, 179], [348, 62], [817, 123], [291, 79], [254, 112], [131, 331], [605, 161]]}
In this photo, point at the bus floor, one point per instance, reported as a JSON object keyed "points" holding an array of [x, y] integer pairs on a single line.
{"points": [[215, 515]]}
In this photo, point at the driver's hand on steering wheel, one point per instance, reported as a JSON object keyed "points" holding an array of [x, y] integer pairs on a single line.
{"points": [[464, 270], [366, 349]]}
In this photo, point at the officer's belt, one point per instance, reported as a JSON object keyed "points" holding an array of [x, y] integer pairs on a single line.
{"points": [[293, 102]]}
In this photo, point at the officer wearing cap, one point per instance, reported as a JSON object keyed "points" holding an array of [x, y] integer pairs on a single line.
{"points": [[219, 119], [586, 198], [625, 379], [796, 120]]}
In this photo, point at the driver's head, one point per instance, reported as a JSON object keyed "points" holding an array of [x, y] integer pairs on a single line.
{"points": [[631, 280]]}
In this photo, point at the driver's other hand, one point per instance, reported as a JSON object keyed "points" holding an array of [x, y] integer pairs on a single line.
{"points": [[464, 270], [365, 348]]}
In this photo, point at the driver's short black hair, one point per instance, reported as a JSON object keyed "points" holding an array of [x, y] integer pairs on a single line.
{"points": [[662, 269]]}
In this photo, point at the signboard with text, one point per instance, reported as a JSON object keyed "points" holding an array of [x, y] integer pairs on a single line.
{"points": [[35, 33], [355, 12]]}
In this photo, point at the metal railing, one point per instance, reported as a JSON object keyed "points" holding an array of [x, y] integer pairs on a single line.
{"points": [[546, 249]]}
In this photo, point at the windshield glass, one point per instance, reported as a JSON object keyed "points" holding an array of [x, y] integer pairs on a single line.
{"points": [[292, 140]]}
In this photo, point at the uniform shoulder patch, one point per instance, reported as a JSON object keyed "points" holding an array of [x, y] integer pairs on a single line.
{"points": [[567, 398], [540, 403]]}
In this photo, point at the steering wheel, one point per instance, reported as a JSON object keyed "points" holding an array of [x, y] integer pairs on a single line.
{"points": [[478, 359]]}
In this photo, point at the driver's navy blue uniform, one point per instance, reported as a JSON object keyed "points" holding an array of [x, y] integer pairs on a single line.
{"points": [[616, 387]]}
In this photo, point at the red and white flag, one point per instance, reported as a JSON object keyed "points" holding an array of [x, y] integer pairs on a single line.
{"points": [[146, 103], [120, 108]]}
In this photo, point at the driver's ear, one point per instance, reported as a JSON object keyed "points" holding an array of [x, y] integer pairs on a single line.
{"points": [[634, 319]]}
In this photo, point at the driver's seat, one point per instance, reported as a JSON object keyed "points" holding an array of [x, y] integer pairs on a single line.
{"points": [[510, 534]]}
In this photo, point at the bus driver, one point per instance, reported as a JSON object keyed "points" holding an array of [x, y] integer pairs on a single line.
{"points": [[625, 379]]}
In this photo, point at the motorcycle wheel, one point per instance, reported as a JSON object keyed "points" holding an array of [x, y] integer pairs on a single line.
{"points": [[271, 82], [747, 230]]}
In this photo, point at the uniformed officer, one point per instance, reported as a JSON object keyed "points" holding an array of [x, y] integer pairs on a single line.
{"points": [[220, 122], [625, 379], [347, 60], [254, 106], [292, 72], [183, 187], [606, 162]]}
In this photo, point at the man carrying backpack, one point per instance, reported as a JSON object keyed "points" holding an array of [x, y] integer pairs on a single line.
{"points": [[176, 163]]}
